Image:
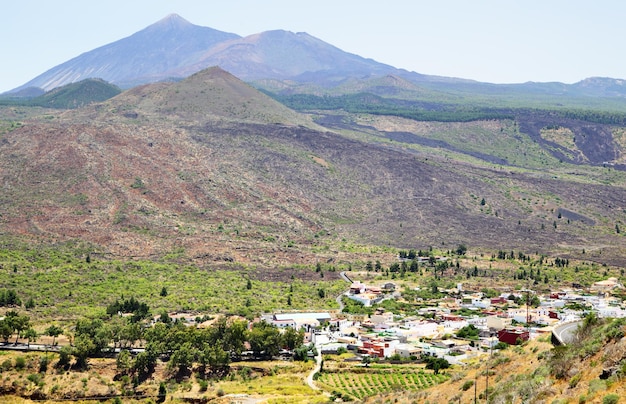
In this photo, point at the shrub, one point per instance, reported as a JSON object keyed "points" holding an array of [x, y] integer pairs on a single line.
{"points": [[610, 399], [20, 363], [65, 356], [204, 385], [501, 345], [467, 385], [573, 382], [162, 392], [596, 385], [35, 378], [43, 364]]}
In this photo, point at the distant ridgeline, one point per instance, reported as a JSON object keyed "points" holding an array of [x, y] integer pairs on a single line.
{"points": [[439, 112], [70, 96]]}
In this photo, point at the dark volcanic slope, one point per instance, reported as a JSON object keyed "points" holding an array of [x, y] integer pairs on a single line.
{"points": [[150, 171]]}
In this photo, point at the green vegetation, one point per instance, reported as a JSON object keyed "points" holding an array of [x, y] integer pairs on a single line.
{"points": [[591, 337], [469, 332], [350, 384], [68, 287], [69, 96], [434, 111]]}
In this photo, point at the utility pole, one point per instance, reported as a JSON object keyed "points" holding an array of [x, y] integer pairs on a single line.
{"points": [[487, 381], [488, 362], [475, 387]]}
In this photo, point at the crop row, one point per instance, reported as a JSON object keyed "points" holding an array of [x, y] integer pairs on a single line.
{"points": [[361, 385]]}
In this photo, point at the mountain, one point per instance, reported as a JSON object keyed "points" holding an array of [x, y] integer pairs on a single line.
{"points": [[215, 167], [173, 49], [286, 55], [207, 95], [140, 58], [77, 94], [69, 96]]}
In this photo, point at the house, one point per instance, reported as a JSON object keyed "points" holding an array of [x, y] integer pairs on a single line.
{"points": [[320, 338], [305, 321], [284, 323], [498, 323], [552, 303], [407, 350], [357, 288], [422, 328], [522, 315], [489, 342], [513, 336], [433, 350], [382, 317], [320, 316], [367, 298], [389, 287], [545, 320], [450, 327], [605, 286], [380, 348], [339, 324]]}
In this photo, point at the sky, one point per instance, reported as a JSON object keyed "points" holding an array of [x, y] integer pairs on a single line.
{"points": [[495, 41]]}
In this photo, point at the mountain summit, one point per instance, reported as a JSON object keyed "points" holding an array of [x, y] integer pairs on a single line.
{"points": [[174, 48], [278, 61], [140, 58]]}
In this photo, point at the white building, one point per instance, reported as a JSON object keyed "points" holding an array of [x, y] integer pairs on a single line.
{"points": [[499, 323], [407, 350], [383, 317], [421, 328], [306, 321]]}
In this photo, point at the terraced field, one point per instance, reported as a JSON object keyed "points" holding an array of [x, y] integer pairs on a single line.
{"points": [[362, 383]]}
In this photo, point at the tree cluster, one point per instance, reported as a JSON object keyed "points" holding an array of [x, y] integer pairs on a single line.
{"points": [[182, 346], [436, 364], [9, 298], [132, 305], [469, 332], [18, 324]]}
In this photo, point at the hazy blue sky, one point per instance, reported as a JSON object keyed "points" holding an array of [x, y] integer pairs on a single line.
{"points": [[496, 41]]}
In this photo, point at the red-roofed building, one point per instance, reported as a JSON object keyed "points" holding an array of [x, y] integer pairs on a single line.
{"points": [[513, 336]]}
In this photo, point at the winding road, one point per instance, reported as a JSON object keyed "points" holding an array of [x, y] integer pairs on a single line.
{"points": [[318, 357], [565, 333]]}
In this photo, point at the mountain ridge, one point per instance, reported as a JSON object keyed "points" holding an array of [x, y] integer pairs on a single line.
{"points": [[173, 48]]}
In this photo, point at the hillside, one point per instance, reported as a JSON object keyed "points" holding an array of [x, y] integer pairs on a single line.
{"points": [[212, 94], [586, 372], [69, 96], [76, 95], [215, 167]]}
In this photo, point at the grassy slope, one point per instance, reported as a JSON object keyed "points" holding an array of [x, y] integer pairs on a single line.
{"points": [[65, 286]]}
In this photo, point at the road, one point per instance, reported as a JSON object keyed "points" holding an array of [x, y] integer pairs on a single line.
{"points": [[318, 366], [318, 357], [566, 332], [32, 347], [343, 276]]}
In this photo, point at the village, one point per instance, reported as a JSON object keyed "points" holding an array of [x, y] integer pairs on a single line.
{"points": [[440, 331]]}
